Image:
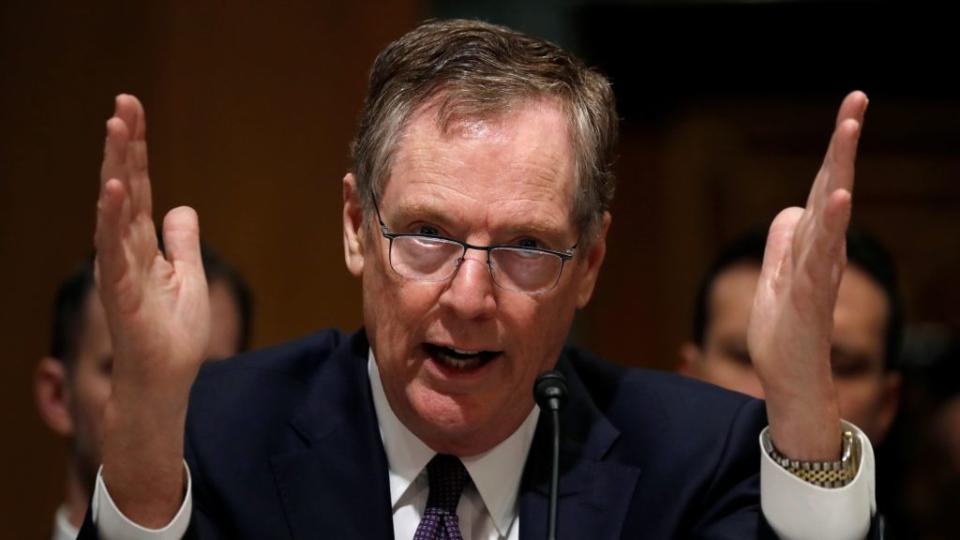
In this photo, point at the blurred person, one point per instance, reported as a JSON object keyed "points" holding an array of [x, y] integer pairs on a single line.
{"points": [[73, 384], [931, 489], [864, 345], [920, 474]]}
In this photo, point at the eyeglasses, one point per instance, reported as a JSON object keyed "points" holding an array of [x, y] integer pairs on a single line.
{"points": [[427, 257]]}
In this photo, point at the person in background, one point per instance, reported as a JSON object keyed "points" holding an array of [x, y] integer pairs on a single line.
{"points": [[866, 337], [72, 384]]}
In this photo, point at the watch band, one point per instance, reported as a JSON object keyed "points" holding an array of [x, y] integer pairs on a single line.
{"points": [[828, 474]]}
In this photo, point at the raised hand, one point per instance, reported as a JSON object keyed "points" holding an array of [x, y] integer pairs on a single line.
{"points": [[158, 313], [792, 317]]}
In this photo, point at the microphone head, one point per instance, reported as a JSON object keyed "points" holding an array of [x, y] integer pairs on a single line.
{"points": [[550, 390]]}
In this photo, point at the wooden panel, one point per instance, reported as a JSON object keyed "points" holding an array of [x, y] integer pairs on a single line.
{"points": [[250, 109], [715, 167]]}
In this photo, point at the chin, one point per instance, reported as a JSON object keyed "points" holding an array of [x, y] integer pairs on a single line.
{"points": [[446, 423], [443, 411]]}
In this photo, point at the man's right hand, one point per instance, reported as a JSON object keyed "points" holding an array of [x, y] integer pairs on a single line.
{"points": [[158, 313]]}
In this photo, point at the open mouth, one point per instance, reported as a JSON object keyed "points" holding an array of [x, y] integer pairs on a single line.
{"points": [[459, 359]]}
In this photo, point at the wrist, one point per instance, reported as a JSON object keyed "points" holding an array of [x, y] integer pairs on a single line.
{"points": [[143, 460], [805, 430]]}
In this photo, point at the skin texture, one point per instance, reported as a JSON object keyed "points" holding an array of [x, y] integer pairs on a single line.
{"points": [[72, 404], [158, 309], [792, 317], [225, 322], [867, 393], [502, 180]]}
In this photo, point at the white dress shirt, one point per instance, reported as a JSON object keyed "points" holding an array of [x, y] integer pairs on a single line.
{"points": [[62, 528], [789, 501], [488, 506], [795, 509]]}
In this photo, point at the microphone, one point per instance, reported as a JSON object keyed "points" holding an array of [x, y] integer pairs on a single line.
{"points": [[550, 391]]}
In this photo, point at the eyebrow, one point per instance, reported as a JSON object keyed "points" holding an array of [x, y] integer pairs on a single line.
{"points": [[419, 211], [432, 212]]}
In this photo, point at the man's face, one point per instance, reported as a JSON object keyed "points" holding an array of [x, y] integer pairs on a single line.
{"points": [[506, 180], [867, 392], [89, 387], [224, 322]]}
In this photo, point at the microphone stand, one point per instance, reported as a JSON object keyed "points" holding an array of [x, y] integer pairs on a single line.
{"points": [[550, 391]]}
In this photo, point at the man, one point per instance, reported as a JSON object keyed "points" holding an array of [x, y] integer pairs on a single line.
{"points": [[476, 216], [867, 325], [72, 384]]}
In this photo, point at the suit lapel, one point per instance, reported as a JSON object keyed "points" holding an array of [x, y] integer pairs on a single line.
{"points": [[333, 481], [595, 490]]}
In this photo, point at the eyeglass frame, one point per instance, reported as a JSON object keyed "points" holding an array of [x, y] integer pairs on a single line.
{"points": [[391, 235]]}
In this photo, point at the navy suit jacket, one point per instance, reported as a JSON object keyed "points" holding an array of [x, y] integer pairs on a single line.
{"points": [[284, 443]]}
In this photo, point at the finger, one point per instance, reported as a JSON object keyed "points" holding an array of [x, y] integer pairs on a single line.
{"points": [[825, 257], [836, 172], [111, 224], [130, 111], [841, 159], [776, 254], [114, 152], [853, 107], [181, 238]]}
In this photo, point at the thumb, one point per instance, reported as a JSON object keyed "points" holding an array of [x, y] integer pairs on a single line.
{"points": [[181, 237], [779, 244]]}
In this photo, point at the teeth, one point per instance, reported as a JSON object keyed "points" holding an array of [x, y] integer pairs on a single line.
{"points": [[459, 363], [462, 359]]}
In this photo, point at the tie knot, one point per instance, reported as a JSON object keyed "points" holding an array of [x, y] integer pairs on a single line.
{"points": [[447, 476]]}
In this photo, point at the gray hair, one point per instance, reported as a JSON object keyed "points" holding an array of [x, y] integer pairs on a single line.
{"points": [[478, 70]]}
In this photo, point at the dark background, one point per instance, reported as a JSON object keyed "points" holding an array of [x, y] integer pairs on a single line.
{"points": [[727, 109]]}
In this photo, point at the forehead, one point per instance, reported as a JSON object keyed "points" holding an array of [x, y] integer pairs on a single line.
{"points": [[861, 304], [518, 164], [95, 336], [731, 294]]}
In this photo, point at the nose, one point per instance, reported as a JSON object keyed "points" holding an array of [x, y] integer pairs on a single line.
{"points": [[470, 292]]}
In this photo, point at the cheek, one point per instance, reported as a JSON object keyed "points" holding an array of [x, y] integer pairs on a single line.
{"points": [[395, 315], [99, 395], [90, 398], [857, 398], [539, 329], [733, 375], [397, 307]]}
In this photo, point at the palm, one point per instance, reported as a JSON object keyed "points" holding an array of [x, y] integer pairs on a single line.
{"points": [[157, 307]]}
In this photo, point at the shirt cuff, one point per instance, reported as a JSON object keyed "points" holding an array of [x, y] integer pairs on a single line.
{"points": [[797, 509], [113, 525]]}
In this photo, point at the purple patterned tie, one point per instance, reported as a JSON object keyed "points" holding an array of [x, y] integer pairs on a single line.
{"points": [[447, 478]]}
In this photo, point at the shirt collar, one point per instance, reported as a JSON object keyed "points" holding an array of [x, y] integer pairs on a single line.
{"points": [[62, 529], [496, 473]]}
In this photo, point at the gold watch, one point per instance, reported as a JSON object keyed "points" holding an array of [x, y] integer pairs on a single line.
{"points": [[828, 474]]}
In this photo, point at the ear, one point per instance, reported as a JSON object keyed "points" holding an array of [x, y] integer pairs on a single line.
{"points": [[52, 396], [593, 262], [353, 229], [690, 358], [890, 401]]}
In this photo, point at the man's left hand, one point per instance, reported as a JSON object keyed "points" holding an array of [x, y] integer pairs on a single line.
{"points": [[792, 317]]}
